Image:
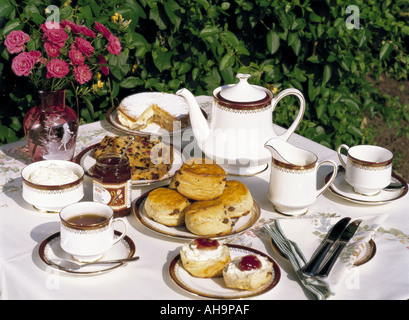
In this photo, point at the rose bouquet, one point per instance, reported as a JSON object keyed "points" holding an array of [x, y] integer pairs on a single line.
{"points": [[55, 57], [67, 54]]}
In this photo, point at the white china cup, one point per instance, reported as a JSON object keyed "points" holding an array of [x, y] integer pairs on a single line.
{"points": [[293, 187], [368, 168], [88, 242]]}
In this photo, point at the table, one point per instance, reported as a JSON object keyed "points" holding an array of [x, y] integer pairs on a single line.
{"points": [[22, 229]]}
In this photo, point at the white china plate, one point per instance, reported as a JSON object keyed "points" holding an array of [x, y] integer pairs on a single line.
{"points": [[344, 190], [215, 287], [152, 129], [86, 159], [53, 255], [240, 224]]}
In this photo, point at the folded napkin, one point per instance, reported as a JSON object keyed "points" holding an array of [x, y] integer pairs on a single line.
{"points": [[299, 238]]}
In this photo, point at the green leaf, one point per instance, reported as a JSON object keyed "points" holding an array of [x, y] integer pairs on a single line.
{"points": [[118, 65], [5, 8], [131, 82], [184, 68], [89, 106], [385, 51], [351, 103], [170, 8], [313, 90], [273, 42], [227, 61], [209, 31], [14, 24], [327, 74], [162, 59]]}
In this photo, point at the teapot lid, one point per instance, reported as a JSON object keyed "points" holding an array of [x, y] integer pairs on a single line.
{"points": [[243, 92]]}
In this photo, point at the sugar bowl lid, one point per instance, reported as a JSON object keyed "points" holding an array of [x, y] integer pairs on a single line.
{"points": [[243, 92]]}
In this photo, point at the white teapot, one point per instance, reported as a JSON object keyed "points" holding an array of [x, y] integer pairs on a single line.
{"points": [[241, 123]]}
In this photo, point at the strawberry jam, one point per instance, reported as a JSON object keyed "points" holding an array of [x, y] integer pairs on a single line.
{"points": [[207, 244], [249, 262], [112, 183]]}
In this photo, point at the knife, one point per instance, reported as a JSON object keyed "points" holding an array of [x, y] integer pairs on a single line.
{"points": [[345, 237], [312, 266]]}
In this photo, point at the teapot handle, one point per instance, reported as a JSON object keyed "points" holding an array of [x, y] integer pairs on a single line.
{"points": [[333, 176], [287, 92]]}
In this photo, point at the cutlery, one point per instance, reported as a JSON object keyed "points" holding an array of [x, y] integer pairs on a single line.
{"points": [[342, 242], [312, 266], [392, 186], [73, 266]]}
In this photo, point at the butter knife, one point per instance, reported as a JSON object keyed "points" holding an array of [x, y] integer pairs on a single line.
{"points": [[312, 266], [345, 237]]}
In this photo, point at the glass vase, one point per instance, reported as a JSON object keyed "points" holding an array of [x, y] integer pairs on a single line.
{"points": [[51, 128]]}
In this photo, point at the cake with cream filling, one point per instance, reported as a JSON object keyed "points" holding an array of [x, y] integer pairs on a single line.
{"points": [[168, 111]]}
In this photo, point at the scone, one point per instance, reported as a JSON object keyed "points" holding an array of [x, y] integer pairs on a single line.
{"points": [[208, 218], [174, 181], [204, 181], [166, 206], [248, 273], [204, 258], [236, 198], [166, 110]]}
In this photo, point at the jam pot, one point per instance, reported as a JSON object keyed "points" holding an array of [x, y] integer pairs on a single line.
{"points": [[112, 183]]}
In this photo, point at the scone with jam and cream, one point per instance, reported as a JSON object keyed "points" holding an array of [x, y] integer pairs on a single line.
{"points": [[205, 258], [248, 272]]}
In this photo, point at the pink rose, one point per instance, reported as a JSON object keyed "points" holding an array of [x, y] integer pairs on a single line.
{"points": [[15, 41], [36, 55], [22, 64], [84, 46], [56, 36], [76, 29], [57, 68], [114, 45], [102, 61], [87, 32], [76, 56], [82, 74], [100, 28], [52, 50]]}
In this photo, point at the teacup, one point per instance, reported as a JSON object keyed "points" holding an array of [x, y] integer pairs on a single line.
{"points": [[368, 168], [293, 185], [86, 230]]}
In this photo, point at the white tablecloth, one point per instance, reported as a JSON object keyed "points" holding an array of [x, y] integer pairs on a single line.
{"points": [[23, 275]]}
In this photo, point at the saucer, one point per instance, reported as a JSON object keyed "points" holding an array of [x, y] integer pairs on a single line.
{"points": [[343, 189], [53, 255]]}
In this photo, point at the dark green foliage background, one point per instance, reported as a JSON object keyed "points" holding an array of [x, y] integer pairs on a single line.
{"points": [[202, 44]]}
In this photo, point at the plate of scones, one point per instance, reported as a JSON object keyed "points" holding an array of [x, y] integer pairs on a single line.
{"points": [[209, 268], [151, 160], [155, 113], [198, 203]]}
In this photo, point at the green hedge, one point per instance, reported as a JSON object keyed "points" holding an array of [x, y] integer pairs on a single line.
{"points": [[313, 46]]}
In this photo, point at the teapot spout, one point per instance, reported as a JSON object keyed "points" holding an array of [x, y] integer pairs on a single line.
{"points": [[199, 123]]}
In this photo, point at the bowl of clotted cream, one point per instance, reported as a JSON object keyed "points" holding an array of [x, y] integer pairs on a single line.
{"points": [[50, 185]]}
